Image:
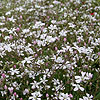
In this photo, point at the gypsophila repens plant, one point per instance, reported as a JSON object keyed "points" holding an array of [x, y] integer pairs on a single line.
{"points": [[49, 50]]}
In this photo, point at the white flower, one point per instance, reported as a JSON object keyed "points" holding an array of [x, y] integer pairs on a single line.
{"points": [[7, 47], [39, 62], [52, 27], [35, 96], [39, 42], [3, 93], [26, 91], [56, 81], [78, 1], [14, 71], [19, 8], [35, 85], [43, 36], [25, 31], [43, 80], [53, 21], [2, 24], [89, 97], [6, 37], [27, 49], [56, 2], [59, 60], [63, 33], [12, 19], [89, 75], [85, 76], [63, 96], [50, 39], [27, 59], [8, 13], [38, 24], [77, 87], [80, 78], [71, 25]]}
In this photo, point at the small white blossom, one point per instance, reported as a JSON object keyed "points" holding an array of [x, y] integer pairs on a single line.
{"points": [[63, 96], [59, 60], [35, 96], [77, 87], [14, 71], [87, 97], [35, 85]]}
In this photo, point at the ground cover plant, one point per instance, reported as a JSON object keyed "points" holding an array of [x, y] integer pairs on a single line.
{"points": [[49, 50]]}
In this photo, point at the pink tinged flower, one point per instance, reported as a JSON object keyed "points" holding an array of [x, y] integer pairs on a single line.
{"points": [[86, 66], [18, 29], [36, 55], [46, 64], [56, 48], [7, 19], [79, 40], [89, 75], [11, 37], [65, 56], [75, 52], [42, 28], [70, 95], [26, 91], [11, 89], [19, 25], [21, 98], [88, 41], [5, 87], [34, 42], [47, 95], [84, 44], [65, 39], [40, 52], [3, 75], [21, 17], [98, 53], [14, 66], [79, 70], [15, 94], [57, 39], [48, 17], [90, 83], [86, 33]]}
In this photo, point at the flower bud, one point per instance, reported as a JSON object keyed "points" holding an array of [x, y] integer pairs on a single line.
{"points": [[3, 75], [65, 39], [15, 94], [5, 87]]}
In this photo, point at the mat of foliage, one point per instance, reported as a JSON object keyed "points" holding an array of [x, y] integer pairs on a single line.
{"points": [[49, 50]]}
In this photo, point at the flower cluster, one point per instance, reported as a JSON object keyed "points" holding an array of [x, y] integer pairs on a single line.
{"points": [[49, 50]]}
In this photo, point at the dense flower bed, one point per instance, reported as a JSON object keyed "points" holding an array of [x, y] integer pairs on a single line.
{"points": [[49, 50]]}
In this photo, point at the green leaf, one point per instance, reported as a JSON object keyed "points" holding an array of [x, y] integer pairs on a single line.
{"points": [[97, 96]]}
